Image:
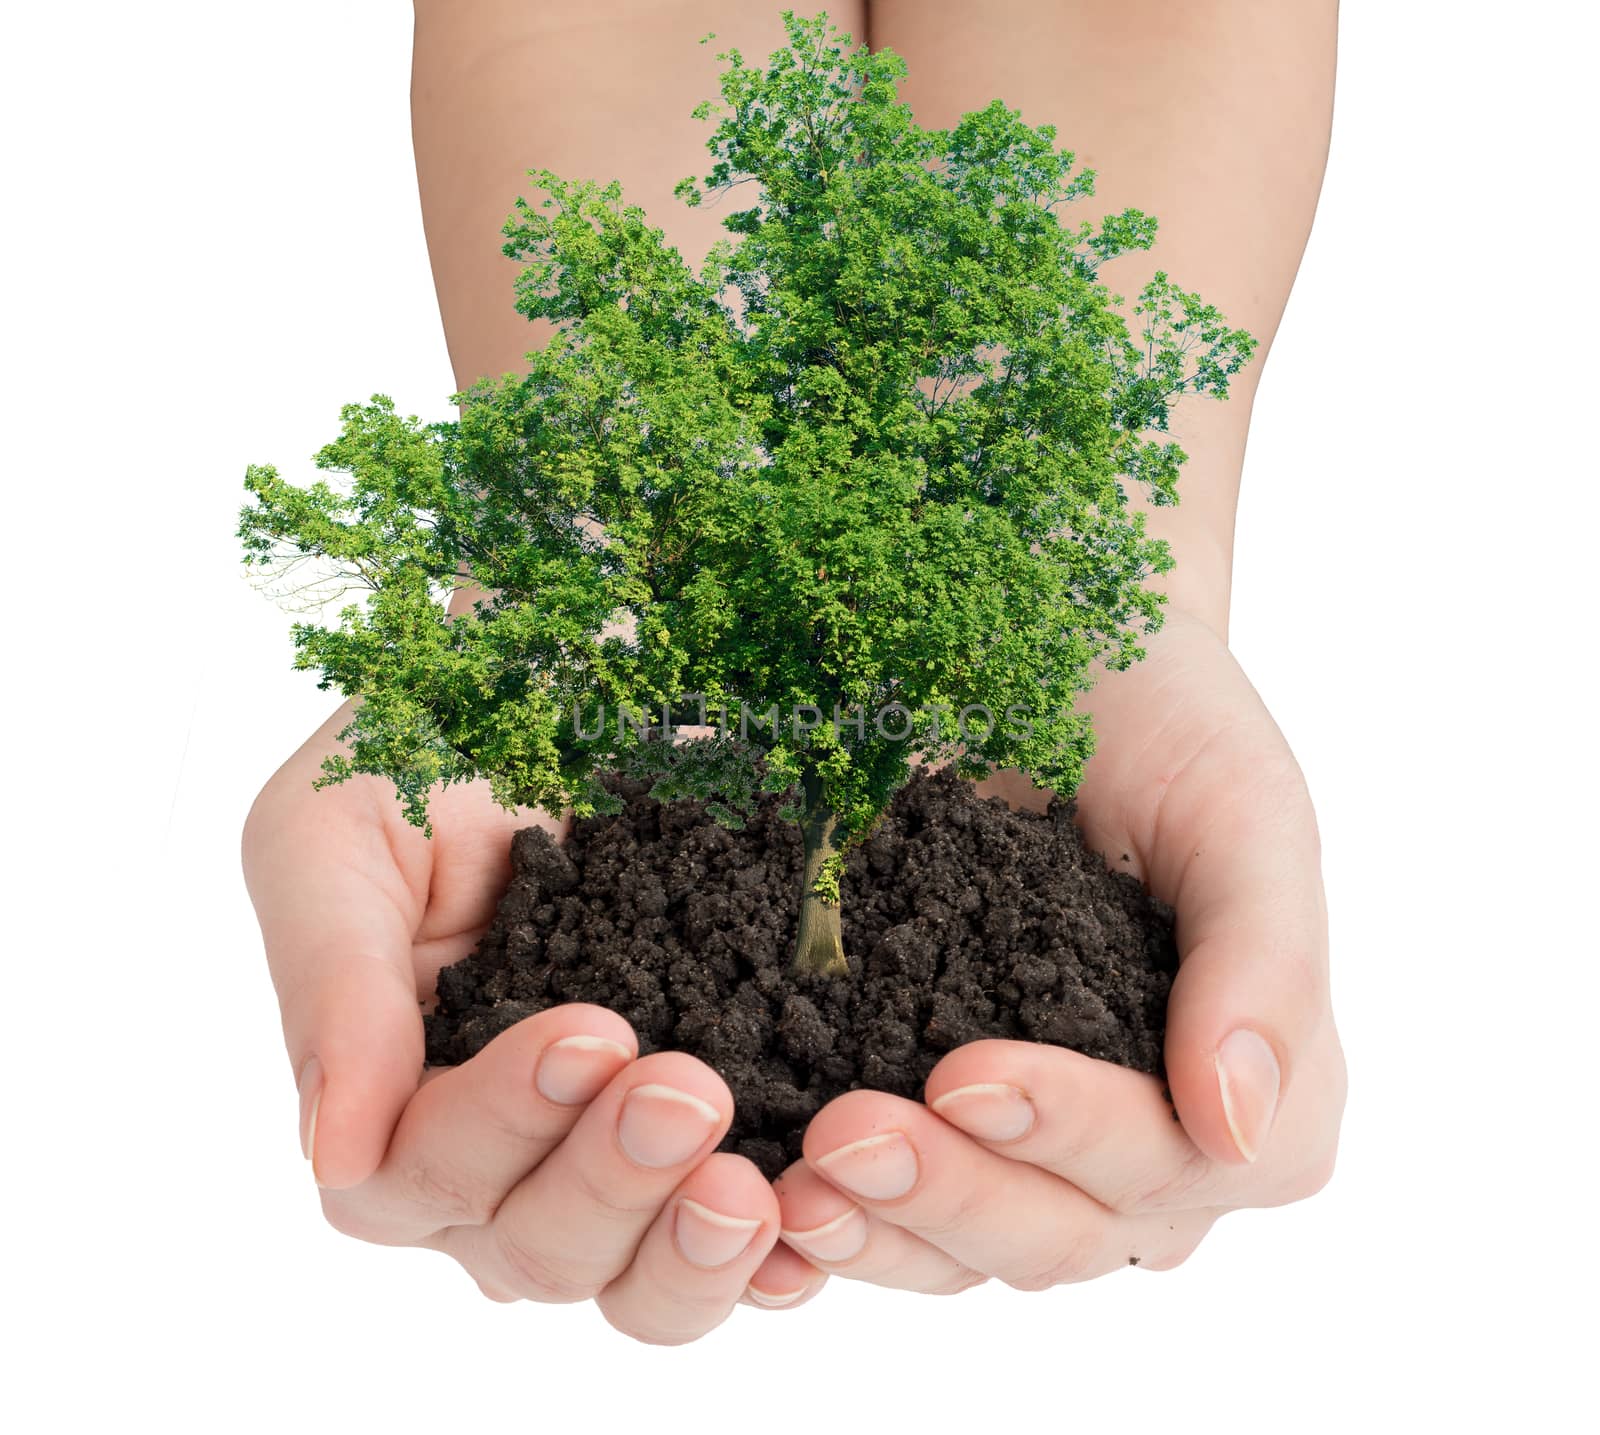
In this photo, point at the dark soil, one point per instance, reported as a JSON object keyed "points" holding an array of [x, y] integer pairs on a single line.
{"points": [[962, 919]]}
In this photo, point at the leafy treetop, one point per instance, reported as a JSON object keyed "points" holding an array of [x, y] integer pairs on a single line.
{"points": [[875, 455]]}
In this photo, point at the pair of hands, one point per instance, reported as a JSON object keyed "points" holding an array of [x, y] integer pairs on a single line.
{"points": [[557, 1165]]}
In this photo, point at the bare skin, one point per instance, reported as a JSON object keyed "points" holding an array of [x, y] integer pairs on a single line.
{"points": [[543, 1167]]}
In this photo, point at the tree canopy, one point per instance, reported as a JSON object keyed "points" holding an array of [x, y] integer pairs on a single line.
{"points": [[873, 459]]}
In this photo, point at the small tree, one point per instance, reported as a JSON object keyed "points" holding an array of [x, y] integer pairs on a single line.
{"points": [[855, 494]]}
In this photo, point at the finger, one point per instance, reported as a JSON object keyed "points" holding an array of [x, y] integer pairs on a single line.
{"points": [[1205, 795], [337, 923], [836, 1235], [1003, 1218], [783, 1281], [1109, 1131], [1238, 847], [471, 1134], [571, 1227], [697, 1257]]}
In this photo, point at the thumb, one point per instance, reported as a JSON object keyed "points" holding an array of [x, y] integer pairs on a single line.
{"points": [[354, 1035], [330, 902], [1252, 987]]}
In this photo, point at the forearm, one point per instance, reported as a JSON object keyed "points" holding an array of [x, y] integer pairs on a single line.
{"points": [[598, 91], [1213, 116], [1226, 144]]}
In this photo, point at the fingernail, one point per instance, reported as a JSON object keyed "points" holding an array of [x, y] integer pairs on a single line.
{"points": [[310, 1084], [661, 1126], [991, 1111], [768, 1299], [835, 1240], [576, 1068], [1248, 1077], [709, 1239], [878, 1168]]}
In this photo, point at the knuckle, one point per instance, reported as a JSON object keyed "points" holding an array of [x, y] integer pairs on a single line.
{"points": [[968, 1209], [650, 1336], [1176, 1255], [606, 1202], [1168, 1262], [1314, 1176], [705, 1308], [1076, 1139], [1178, 1187], [521, 1127], [538, 1275], [963, 1280], [624, 1317], [351, 1218], [1076, 1135], [442, 1192], [1181, 1255], [497, 1294], [1077, 1259]]}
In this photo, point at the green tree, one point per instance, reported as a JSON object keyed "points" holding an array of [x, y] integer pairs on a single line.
{"points": [[858, 488]]}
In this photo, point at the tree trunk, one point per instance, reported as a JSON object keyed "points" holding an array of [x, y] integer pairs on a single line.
{"points": [[819, 942]]}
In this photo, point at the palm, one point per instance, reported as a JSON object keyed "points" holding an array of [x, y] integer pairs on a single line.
{"points": [[355, 877], [1185, 747], [1184, 719], [1194, 790], [451, 881]]}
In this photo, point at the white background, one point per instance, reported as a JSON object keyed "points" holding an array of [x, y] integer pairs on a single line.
{"points": [[214, 239]]}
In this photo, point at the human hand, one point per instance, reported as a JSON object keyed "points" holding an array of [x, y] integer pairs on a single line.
{"points": [[1037, 1165], [555, 1165]]}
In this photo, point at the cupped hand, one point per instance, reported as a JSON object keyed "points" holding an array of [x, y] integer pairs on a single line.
{"points": [[1036, 1165], [556, 1165]]}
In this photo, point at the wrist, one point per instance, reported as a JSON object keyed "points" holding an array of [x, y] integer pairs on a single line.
{"points": [[1200, 584], [1198, 529]]}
